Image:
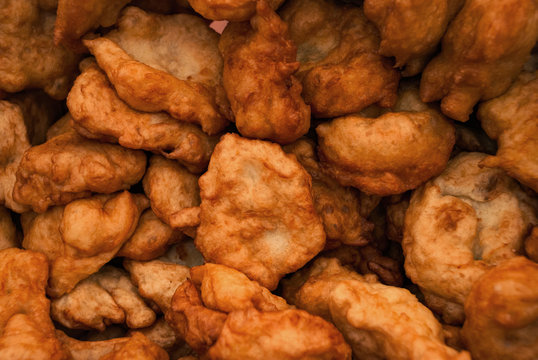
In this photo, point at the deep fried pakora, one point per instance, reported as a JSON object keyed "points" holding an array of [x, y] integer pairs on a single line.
{"points": [[512, 120], [484, 50], [138, 347], [166, 63], [74, 19], [341, 70], [502, 312], [106, 297], [26, 329], [461, 223], [338, 206], [98, 113], [29, 58], [235, 10], [89, 350], [257, 212], [174, 193], [378, 321], [79, 238], [389, 154], [411, 30], [69, 167], [259, 63]]}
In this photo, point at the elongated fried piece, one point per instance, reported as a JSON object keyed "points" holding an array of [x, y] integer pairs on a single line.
{"points": [[69, 167], [484, 50], [259, 63], [341, 69], [99, 113], [81, 237]]}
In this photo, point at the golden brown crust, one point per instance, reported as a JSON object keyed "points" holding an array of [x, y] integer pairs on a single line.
{"points": [[138, 347], [502, 312], [483, 50], [259, 63], [69, 167], [257, 213], [341, 69]]}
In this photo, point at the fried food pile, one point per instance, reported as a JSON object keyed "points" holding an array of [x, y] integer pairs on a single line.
{"points": [[269, 179]]}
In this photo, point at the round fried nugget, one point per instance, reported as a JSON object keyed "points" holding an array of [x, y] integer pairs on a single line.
{"points": [[483, 51], [29, 58], [337, 47], [512, 120], [257, 212], [390, 154], [502, 313], [231, 10], [463, 222]]}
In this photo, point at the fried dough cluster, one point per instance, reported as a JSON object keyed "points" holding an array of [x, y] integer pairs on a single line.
{"points": [[268, 179]]}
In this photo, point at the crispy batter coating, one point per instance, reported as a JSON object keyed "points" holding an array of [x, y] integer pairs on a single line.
{"points": [[484, 50], [8, 232], [259, 63], [99, 113], [166, 63], [69, 167], [225, 289], [257, 212], [389, 154], [461, 223], [173, 192], [378, 321], [13, 144], [411, 30], [512, 120], [89, 350], [531, 244], [139, 347], [25, 326], [286, 335], [79, 238], [338, 206], [29, 58], [151, 238], [157, 280], [106, 297], [502, 312], [341, 70], [75, 18], [235, 10]]}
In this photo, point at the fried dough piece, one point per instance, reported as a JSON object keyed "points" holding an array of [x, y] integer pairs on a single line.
{"points": [[166, 63], [185, 253], [75, 18], [151, 238], [235, 10], [13, 144], [62, 126], [389, 154], [257, 212], [79, 238], [99, 113], [25, 326], [106, 297], [341, 70], [411, 30], [502, 312], [259, 63], [69, 167], [531, 244], [138, 347], [461, 223], [8, 232], [338, 206], [29, 58], [378, 321], [163, 335], [484, 50], [512, 120], [173, 192], [89, 350]]}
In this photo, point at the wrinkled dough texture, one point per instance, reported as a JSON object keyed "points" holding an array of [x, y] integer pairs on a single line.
{"points": [[257, 213], [483, 51], [512, 119], [462, 223], [341, 69]]}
